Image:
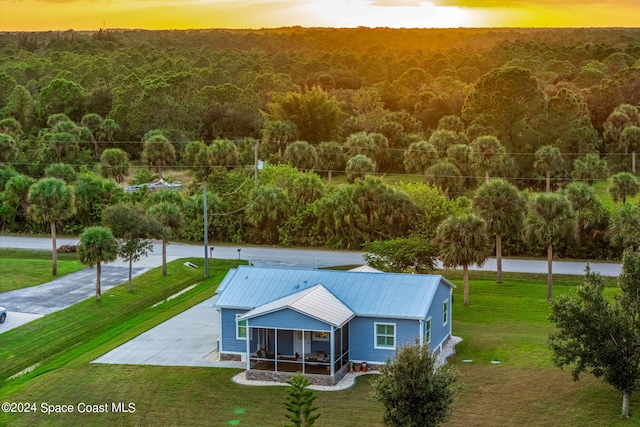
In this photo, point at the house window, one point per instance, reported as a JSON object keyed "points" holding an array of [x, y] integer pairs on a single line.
{"points": [[321, 336], [427, 330], [241, 329], [385, 334], [445, 312]]}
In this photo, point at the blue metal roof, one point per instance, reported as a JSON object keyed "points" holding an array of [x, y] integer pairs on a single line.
{"points": [[395, 295]]}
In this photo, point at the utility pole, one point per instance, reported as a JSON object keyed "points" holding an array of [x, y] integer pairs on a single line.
{"points": [[255, 163], [206, 238]]}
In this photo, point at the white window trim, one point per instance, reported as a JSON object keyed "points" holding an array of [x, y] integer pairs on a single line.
{"points": [[375, 336], [428, 331], [445, 312], [246, 327]]}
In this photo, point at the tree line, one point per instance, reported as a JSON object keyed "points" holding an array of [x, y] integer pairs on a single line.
{"points": [[413, 125]]}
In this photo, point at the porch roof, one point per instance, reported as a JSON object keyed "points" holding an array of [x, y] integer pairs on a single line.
{"points": [[316, 302]]}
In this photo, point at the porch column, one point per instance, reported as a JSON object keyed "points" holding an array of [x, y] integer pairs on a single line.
{"points": [[275, 349], [303, 350], [332, 350], [248, 351]]}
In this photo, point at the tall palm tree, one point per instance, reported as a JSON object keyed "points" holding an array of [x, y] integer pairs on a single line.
{"points": [[301, 155], [330, 157], [487, 154], [158, 152], [50, 201], [419, 157], [548, 161], [500, 204], [270, 207], [587, 206], [97, 245], [590, 168], [630, 141], [222, 153], [549, 217], [623, 185], [280, 132], [463, 240]]}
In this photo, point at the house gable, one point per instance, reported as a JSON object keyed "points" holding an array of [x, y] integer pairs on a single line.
{"points": [[288, 319]]}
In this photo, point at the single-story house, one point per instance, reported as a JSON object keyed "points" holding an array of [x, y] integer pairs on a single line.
{"points": [[317, 321]]}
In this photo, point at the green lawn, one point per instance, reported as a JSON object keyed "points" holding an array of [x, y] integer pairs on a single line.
{"points": [[506, 322], [13, 264]]}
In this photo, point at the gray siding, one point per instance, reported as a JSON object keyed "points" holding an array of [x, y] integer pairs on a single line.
{"points": [[288, 319], [361, 334]]}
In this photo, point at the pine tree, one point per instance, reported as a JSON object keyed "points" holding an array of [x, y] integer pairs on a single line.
{"points": [[299, 402]]}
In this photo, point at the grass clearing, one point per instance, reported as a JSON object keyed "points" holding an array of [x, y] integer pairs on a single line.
{"points": [[59, 333], [506, 322], [13, 264]]}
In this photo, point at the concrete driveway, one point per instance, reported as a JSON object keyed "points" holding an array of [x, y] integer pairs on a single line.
{"points": [[25, 305], [187, 339]]}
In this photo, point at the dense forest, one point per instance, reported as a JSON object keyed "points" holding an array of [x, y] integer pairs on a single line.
{"points": [[365, 134]]}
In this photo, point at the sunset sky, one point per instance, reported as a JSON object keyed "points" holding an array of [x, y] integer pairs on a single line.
{"points": [[36, 15]]}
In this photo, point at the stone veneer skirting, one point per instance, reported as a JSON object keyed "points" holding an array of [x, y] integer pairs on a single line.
{"points": [[283, 377], [230, 357]]}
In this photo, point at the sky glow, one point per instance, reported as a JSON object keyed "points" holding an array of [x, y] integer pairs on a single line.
{"points": [[41, 15]]}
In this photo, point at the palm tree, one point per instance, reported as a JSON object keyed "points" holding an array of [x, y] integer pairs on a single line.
{"points": [[630, 140], [446, 176], [463, 241], [280, 132], [222, 153], [359, 166], [549, 217], [114, 163], [500, 204], [586, 205], [419, 157], [623, 185], [97, 245], [270, 207], [330, 157], [301, 155], [487, 154], [158, 152], [590, 168], [548, 161], [50, 202]]}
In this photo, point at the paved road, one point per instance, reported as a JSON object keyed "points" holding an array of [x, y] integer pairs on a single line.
{"points": [[65, 291], [186, 339], [311, 258]]}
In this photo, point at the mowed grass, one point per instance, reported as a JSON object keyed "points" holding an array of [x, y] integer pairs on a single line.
{"points": [[506, 322], [14, 263], [55, 334]]}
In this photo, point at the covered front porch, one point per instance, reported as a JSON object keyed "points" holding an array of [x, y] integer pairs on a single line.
{"points": [[310, 352], [305, 332]]}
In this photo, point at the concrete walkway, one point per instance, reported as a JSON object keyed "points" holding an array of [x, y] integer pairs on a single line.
{"points": [[187, 339]]}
